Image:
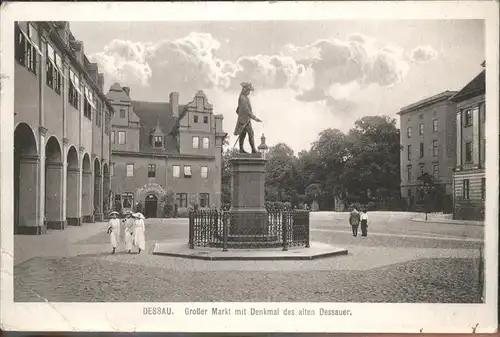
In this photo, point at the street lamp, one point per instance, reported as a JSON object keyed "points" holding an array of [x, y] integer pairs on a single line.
{"points": [[263, 149]]}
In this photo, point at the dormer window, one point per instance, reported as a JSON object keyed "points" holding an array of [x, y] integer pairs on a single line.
{"points": [[158, 141]]}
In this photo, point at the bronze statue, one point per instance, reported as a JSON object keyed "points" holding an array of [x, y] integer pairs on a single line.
{"points": [[245, 116]]}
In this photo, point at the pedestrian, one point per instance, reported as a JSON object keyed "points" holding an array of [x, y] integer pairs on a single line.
{"points": [[114, 230], [354, 221], [176, 211], [129, 223], [139, 231], [364, 223]]}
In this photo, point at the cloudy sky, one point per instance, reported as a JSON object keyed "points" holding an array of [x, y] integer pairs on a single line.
{"points": [[308, 75]]}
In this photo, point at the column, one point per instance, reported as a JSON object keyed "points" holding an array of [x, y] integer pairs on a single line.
{"points": [[98, 197], [54, 196], [86, 196], [64, 211], [80, 186], [29, 196], [41, 174], [475, 136], [459, 140]]}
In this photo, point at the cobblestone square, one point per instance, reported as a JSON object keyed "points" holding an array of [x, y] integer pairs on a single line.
{"points": [[401, 261]]}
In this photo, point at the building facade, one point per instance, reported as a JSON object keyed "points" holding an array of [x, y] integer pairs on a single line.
{"points": [[428, 134], [62, 131], [469, 180], [165, 153]]}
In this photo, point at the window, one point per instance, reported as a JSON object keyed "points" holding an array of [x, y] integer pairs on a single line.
{"points": [[128, 200], [112, 137], [421, 150], [408, 132], [27, 50], [206, 142], [74, 91], [483, 188], [468, 152], [435, 171], [176, 171], [204, 200], [54, 69], [409, 168], [204, 172], [409, 152], [195, 119], [151, 170], [196, 142], [112, 169], [88, 104], [158, 141], [187, 171], [465, 189], [121, 137], [205, 119], [181, 200], [434, 125], [483, 113], [421, 167], [130, 170], [122, 113], [468, 118], [421, 129], [435, 148]]}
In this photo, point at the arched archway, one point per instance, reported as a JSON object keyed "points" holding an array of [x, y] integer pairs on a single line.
{"points": [[106, 194], [53, 185], [72, 187], [26, 182], [86, 189], [150, 206], [97, 211]]}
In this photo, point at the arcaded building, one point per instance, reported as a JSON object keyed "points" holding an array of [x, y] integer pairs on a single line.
{"points": [[62, 131], [163, 150], [427, 137], [469, 180]]}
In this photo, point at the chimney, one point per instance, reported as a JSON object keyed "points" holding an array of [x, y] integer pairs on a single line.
{"points": [[100, 81], [127, 91], [174, 104], [77, 46], [93, 69]]}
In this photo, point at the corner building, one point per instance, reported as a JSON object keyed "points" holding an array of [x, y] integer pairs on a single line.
{"points": [[428, 134], [469, 180], [165, 148], [62, 131]]}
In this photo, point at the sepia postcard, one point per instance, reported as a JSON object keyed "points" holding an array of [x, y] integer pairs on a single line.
{"points": [[250, 166]]}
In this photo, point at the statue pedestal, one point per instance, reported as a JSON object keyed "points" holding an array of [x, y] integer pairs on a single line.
{"points": [[248, 214]]}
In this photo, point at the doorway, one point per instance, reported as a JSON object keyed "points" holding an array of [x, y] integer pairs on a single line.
{"points": [[150, 206]]}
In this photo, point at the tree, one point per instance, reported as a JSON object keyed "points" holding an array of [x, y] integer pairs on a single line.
{"points": [[431, 193], [372, 168], [226, 177], [281, 172], [326, 166]]}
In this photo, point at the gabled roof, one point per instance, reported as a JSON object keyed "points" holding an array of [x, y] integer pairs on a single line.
{"points": [[151, 114], [475, 87]]}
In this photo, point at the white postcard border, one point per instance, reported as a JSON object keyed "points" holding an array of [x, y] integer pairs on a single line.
{"points": [[388, 318]]}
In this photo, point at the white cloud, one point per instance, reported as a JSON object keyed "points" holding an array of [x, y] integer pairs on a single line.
{"points": [[423, 54]]}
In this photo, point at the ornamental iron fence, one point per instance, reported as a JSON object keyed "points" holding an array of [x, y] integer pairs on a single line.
{"points": [[225, 229]]}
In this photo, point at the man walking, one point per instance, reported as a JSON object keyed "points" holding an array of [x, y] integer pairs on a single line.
{"points": [[354, 219], [245, 115]]}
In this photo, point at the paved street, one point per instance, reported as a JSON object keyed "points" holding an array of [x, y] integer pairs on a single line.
{"points": [[400, 261]]}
